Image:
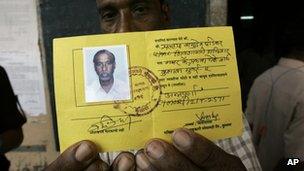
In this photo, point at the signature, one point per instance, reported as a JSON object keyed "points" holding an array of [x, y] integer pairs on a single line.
{"points": [[206, 118], [112, 124], [203, 121]]}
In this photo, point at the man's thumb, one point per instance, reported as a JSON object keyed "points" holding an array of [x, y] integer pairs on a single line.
{"points": [[77, 157]]}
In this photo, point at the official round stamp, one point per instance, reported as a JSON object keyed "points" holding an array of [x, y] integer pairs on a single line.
{"points": [[146, 92]]}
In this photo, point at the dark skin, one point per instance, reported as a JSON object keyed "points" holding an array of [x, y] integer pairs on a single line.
{"points": [[189, 150], [120, 16], [192, 153]]}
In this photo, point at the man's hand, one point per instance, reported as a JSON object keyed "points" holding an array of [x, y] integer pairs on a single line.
{"points": [[83, 156], [189, 151]]}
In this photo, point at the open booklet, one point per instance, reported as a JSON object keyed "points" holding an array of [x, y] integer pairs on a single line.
{"points": [[120, 90]]}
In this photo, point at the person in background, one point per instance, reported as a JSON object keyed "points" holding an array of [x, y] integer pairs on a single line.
{"points": [[11, 120], [189, 150], [275, 107]]}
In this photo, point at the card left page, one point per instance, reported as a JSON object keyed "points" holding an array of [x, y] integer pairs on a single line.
{"points": [[84, 110]]}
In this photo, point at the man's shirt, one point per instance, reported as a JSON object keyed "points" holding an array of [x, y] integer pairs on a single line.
{"points": [[275, 108], [241, 147], [119, 91]]}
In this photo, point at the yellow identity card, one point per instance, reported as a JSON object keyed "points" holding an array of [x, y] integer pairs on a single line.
{"points": [[120, 90]]}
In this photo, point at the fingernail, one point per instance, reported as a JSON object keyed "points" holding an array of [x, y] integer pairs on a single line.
{"points": [[84, 153], [182, 138], [125, 163], [142, 162], [155, 149]]}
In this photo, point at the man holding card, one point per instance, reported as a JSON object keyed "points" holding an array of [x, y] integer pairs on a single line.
{"points": [[189, 150]]}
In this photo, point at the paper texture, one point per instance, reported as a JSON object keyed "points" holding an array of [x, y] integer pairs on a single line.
{"points": [[176, 78], [20, 55]]}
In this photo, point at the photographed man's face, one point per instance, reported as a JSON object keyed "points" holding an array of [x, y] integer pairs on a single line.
{"points": [[104, 67], [117, 16]]}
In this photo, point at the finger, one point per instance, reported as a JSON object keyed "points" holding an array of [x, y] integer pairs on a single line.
{"points": [[124, 162], [77, 157], [203, 152], [98, 165], [142, 162], [163, 156]]}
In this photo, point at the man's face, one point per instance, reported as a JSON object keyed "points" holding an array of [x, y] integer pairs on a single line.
{"points": [[104, 67], [117, 16]]}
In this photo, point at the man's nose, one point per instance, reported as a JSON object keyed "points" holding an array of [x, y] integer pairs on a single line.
{"points": [[103, 68], [125, 24]]}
